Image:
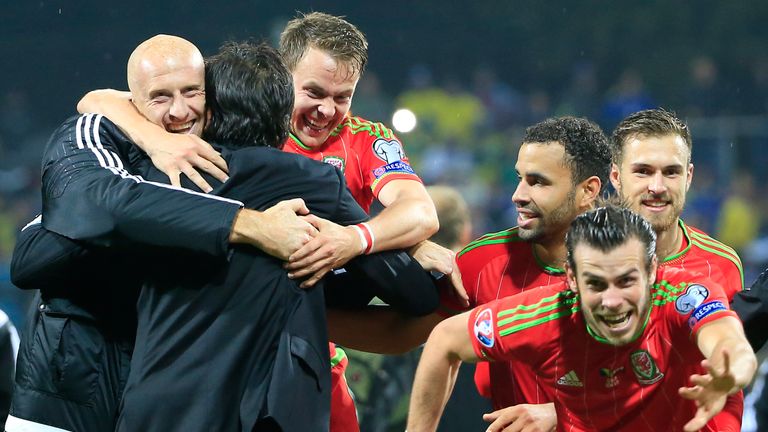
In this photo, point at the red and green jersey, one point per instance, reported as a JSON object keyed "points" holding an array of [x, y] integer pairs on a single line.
{"points": [[495, 266], [369, 154], [708, 257], [597, 386]]}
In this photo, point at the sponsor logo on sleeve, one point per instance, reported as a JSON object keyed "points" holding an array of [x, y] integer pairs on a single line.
{"points": [[704, 311], [484, 328], [335, 161], [645, 368], [388, 150], [394, 167], [694, 296]]}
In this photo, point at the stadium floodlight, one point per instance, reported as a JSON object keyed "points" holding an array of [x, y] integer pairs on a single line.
{"points": [[404, 120]]}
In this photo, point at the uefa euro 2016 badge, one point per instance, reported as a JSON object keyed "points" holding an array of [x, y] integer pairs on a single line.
{"points": [[335, 161], [645, 367], [611, 376], [484, 328]]}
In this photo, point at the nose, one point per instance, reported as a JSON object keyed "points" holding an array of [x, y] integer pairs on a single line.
{"points": [[612, 299], [656, 184], [521, 197], [326, 108], [179, 109]]}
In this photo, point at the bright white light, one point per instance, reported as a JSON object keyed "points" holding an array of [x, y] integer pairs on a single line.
{"points": [[404, 120]]}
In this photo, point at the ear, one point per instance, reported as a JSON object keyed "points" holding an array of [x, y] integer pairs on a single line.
{"points": [[690, 177], [654, 269], [590, 191], [570, 277], [615, 178]]}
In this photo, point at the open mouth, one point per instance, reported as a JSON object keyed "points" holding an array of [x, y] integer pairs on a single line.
{"points": [[317, 127], [180, 128], [525, 218], [616, 322], [655, 205]]}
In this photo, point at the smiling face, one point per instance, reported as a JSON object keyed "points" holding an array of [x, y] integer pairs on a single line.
{"points": [[614, 289], [545, 198], [166, 76], [323, 89], [654, 176]]}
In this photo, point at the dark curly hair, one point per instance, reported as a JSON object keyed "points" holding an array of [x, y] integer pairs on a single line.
{"points": [[249, 93], [586, 147]]}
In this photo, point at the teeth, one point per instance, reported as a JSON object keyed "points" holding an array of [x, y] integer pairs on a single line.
{"points": [[176, 128], [314, 125], [616, 319]]}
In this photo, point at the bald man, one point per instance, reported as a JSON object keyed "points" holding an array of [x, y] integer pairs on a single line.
{"points": [[74, 358]]}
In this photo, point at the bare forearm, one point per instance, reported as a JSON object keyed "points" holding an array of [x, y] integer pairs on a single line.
{"points": [[117, 106], [403, 224], [432, 387]]}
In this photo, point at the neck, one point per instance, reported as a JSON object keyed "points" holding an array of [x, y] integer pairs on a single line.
{"points": [[551, 254], [669, 241]]}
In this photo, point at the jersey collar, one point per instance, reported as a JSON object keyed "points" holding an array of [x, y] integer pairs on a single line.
{"points": [[684, 250]]}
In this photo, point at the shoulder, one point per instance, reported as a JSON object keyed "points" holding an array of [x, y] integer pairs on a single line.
{"points": [[685, 291], [707, 247], [363, 130], [266, 161], [533, 308], [496, 243]]}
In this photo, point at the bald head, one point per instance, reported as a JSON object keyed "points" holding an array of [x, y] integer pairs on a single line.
{"points": [[161, 54], [166, 77]]}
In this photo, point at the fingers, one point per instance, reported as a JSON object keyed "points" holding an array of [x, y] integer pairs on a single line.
{"points": [[197, 179], [297, 205], [309, 283], [174, 177], [458, 287], [697, 422], [691, 393], [211, 168], [207, 152], [503, 420]]}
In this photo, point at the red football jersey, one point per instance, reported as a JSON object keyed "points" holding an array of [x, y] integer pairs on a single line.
{"points": [[598, 386], [369, 154], [495, 266], [706, 256]]}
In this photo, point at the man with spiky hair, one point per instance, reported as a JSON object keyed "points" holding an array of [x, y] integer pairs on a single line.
{"points": [[615, 343]]}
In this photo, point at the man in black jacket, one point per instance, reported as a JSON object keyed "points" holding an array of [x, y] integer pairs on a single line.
{"points": [[74, 360]]}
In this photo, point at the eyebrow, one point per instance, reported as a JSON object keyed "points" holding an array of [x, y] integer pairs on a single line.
{"points": [[587, 274], [637, 165]]}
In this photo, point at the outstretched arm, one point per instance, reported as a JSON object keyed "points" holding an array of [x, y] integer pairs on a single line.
{"points": [[730, 364], [172, 154], [446, 348]]}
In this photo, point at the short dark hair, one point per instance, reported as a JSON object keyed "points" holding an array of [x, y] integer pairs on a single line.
{"points": [[249, 93], [606, 228], [586, 147], [653, 122], [331, 34]]}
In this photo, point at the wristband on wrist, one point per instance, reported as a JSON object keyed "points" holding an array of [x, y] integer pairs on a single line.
{"points": [[367, 235], [362, 237]]}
